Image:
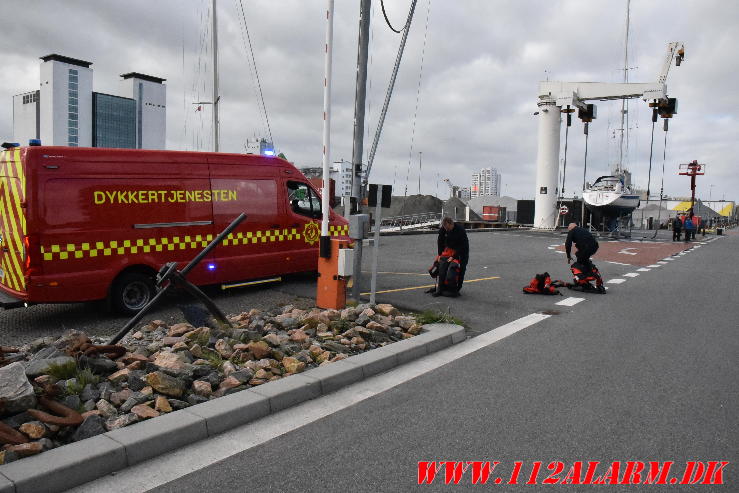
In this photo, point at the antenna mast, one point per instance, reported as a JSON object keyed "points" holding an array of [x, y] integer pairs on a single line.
{"points": [[624, 102], [215, 78]]}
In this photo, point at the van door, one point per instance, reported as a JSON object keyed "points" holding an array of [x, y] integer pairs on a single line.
{"points": [[304, 213], [255, 248], [12, 221]]}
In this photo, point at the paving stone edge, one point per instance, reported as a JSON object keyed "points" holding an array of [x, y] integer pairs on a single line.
{"points": [[80, 462]]}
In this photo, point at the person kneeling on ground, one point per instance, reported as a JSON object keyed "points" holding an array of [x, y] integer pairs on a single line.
{"points": [[585, 242], [454, 236]]}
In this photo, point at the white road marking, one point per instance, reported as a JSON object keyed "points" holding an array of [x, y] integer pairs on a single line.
{"points": [[653, 266], [551, 248], [615, 281], [168, 467], [624, 252], [661, 262], [570, 301], [631, 274], [617, 263], [642, 269]]}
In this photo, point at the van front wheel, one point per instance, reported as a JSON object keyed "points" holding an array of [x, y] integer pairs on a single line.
{"points": [[131, 292]]}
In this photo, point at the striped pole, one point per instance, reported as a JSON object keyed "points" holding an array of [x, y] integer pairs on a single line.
{"points": [[325, 199]]}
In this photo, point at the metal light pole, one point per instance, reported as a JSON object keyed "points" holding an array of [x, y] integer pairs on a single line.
{"points": [[357, 151]]}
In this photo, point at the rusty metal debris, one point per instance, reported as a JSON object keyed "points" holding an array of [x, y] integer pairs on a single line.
{"points": [[110, 350], [9, 436], [82, 345], [66, 416], [7, 350]]}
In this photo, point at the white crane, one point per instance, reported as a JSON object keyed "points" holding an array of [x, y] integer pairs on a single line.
{"points": [[553, 96]]}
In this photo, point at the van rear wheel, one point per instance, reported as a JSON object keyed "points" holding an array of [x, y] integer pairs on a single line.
{"points": [[131, 292]]}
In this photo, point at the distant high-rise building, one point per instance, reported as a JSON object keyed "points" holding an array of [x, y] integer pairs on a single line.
{"points": [[341, 172], [66, 112], [465, 193], [486, 182]]}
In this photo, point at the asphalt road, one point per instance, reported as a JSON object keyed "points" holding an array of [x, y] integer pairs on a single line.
{"points": [[646, 372]]}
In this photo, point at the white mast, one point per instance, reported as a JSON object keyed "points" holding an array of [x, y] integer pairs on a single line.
{"points": [[215, 78], [624, 102]]}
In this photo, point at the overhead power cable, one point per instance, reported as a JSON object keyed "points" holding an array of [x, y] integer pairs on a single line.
{"points": [[387, 21]]}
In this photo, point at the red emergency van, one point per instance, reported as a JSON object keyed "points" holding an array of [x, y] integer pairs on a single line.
{"points": [[79, 224]]}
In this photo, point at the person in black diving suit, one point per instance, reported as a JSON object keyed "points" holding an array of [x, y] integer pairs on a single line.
{"points": [[585, 242], [453, 236]]}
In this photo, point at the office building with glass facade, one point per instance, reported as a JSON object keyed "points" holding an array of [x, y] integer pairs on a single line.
{"points": [[114, 121], [66, 112]]}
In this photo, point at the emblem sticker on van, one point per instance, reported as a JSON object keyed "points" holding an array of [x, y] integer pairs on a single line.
{"points": [[311, 232]]}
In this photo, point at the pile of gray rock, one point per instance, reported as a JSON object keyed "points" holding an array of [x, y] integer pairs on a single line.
{"points": [[170, 367]]}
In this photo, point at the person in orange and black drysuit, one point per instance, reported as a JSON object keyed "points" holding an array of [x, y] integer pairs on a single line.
{"points": [[454, 236], [585, 242]]}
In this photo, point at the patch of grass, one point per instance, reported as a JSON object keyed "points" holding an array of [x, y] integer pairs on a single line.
{"points": [[86, 376], [437, 317], [340, 326], [213, 358], [63, 371], [74, 388], [352, 303]]}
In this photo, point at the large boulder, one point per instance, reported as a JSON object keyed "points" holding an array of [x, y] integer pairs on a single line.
{"points": [[16, 392]]}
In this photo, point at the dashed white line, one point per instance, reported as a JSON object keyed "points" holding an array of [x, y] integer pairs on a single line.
{"points": [[643, 269], [617, 263], [570, 301], [653, 266], [661, 262], [615, 281], [631, 274]]}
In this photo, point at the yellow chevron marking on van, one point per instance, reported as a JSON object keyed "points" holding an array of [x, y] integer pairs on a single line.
{"points": [[8, 267], [12, 181]]}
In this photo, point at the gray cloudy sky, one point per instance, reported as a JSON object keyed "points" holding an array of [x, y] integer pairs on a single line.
{"points": [[483, 61]]}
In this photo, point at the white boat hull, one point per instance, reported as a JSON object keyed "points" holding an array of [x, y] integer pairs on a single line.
{"points": [[611, 202]]}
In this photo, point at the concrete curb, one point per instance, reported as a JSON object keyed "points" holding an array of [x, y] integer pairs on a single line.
{"points": [[80, 462]]}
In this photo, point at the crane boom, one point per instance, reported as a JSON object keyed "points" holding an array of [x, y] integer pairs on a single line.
{"points": [[675, 50]]}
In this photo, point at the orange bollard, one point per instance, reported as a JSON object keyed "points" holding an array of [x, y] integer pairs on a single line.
{"points": [[331, 291]]}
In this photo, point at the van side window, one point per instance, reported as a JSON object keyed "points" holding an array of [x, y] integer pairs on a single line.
{"points": [[303, 200]]}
